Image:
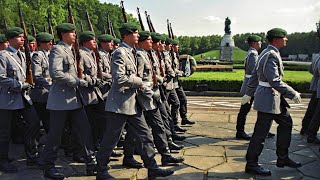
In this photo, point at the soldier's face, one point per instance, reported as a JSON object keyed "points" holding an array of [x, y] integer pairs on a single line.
{"points": [[32, 46], [90, 44], [133, 38], [162, 47], [17, 41], [107, 46], [257, 45], [4, 45], [155, 45], [168, 47], [175, 48], [281, 42], [46, 45], [69, 37]]}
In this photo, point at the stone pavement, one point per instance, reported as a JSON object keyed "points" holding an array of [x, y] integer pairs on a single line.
{"points": [[211, 150]]}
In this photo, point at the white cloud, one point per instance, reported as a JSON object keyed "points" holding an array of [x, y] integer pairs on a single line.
{"points": [[214, 19]]}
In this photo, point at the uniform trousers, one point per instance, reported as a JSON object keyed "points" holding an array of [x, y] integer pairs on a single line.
{"points": [[315, 122], [242, 115], [43, 114], [183, 102], [79, 123], [310, 111], [31, 134], [261, 130], [138, 126], [173, 100]]}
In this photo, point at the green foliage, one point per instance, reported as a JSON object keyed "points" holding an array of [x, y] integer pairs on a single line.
{"points": [[232, 81], [238, 55], [36, 11], [211, 54]]}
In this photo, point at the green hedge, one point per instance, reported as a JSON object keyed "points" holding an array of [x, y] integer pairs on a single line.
{"points": [[286, 67], [234, 85]]}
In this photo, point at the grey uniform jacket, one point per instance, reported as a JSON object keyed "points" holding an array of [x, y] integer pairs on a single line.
{"points": [[92, 93], [314, 70], [12, 75], [145, 70], [122, 95], [41, 77], [176, 68], [271, 87], [63, 94], [249, 65], [106, 72], [168, 83], [157, 66]]}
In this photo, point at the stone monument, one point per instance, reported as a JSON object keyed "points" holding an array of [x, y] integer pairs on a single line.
{"points": [[227, 42]]}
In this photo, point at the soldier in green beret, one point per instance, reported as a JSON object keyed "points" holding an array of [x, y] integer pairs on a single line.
{"points": [[269, 100], [122, 107], [4, 43], [179, 89], [158, 48], [32, 44], [65, 102], [15, 99], [42, 79], [116, 43]]}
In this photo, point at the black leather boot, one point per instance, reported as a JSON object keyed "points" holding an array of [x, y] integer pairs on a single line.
{"points": [[158, 172], [52, 173], [131, 163], [174, 146], [166, 160]]}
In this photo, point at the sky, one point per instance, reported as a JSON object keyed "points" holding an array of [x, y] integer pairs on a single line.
{"points": [[206, 17]]}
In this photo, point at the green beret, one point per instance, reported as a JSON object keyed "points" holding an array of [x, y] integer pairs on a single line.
{"points": [[105, 38], [156, 37], [86, 36], [128, 28], [168, 41], [276, 33], [65, 27], [175, 42], [143, 35], [31, 38], [3, 38], [44, 37], [13, 32], [253, 38], [116, 41], [163, 38]]}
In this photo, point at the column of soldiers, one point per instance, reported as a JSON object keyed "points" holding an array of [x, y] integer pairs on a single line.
{"points": [[138, 89]]}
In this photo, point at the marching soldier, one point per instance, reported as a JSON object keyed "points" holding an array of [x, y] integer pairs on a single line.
{"points": [[270, 103], [14, 95], [314, 123], [123, 108], [32, 44], [179, 89], [149, 98], [314, 70], [42, 79], [116, 43], [171, 84], [65, 102], [4, 43], [106, 47], [157, 40]]}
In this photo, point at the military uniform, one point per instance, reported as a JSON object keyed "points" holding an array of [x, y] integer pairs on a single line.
{"points": [[270, 103], [14, 95], [42, 79], [314, 70], [65, 103], [106, 72]]}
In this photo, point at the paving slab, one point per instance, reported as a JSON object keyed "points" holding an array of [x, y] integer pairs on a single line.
{"points": [[229, 170], [203, 163], [206, 151]]}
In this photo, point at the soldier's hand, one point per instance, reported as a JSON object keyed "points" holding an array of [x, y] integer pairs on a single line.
{"points": [[83, 83], [26, 86], [100, 83], [297, 98], [245, 99]]}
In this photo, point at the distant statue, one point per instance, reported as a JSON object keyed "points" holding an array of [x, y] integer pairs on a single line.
{"points": [[227, 23]]}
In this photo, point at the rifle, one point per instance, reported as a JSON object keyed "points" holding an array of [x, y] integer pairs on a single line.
{"points": [[140, 20], [5, 25], [33, 30], [123, 12], [151, 25], [75, 45], [50, 29], [95, 50], [112, 30], [29, 76], [110, 27], [44, 28], [81, 26]]}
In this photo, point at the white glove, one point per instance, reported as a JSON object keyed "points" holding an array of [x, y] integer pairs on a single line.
{"points": [[245, 99], [297, 99]]}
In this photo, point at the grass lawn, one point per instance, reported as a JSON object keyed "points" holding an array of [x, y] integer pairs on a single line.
{"points": [[294, 76], [238, 55]]}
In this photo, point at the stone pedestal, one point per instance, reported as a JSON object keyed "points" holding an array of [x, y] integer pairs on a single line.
{"points": [[226, 45]]}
